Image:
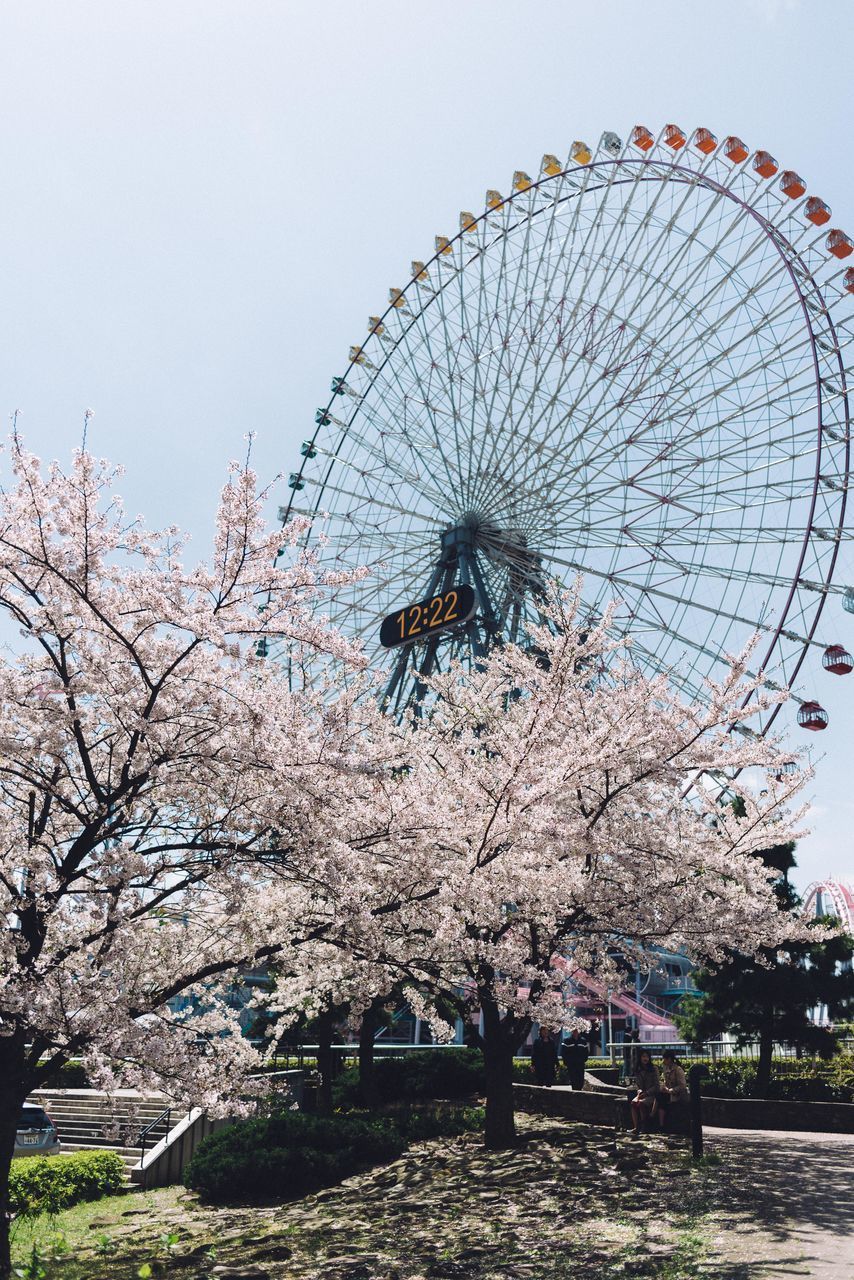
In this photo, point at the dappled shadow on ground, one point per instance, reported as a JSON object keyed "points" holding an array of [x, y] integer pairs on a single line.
{"points": [[789, 1196], [571, 1202]]}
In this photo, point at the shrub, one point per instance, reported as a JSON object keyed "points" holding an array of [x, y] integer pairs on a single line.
{"points": [[71, 1075], [435, 1073], [48, 1184], [418, 1126], [280, 1156], [793, 1080]]}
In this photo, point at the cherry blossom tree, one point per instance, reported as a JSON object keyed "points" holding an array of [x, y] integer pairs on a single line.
{"points": [[152, 767], [556, 811]]}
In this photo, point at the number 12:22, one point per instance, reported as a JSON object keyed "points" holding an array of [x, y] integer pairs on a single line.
{"points": [[420, 616]]}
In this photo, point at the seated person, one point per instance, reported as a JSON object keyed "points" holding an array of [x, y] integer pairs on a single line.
{"points": [[674, 1087], [648, 1087]]}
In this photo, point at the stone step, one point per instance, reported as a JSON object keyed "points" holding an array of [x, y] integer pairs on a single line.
{"points": [[75, 1133], [78, 1104], [106, 1117], [129, 1155]]}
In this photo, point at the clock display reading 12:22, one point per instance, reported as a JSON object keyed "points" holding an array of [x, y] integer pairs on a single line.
{"points": [[448, 609]]}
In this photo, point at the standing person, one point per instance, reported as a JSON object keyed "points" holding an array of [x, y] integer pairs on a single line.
{"points": [[544, 1058], [574, 1052], [648, 1086], [674, 1086]]}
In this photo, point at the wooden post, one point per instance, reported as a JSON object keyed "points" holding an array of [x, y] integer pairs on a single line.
{"points": [[695, 1075]]}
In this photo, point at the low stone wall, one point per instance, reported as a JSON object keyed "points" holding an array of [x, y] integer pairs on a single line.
{"points": [[609, 1106], [765, 1113], [608, 1075]]}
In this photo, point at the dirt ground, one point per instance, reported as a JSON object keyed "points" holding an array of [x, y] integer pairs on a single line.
{"points": [[571, 1203]]}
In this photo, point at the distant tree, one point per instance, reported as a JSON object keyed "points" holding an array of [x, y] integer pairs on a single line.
{"points": [[769, 997]]}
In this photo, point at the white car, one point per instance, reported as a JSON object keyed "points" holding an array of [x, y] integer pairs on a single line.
{"points": [[36, 1135]]}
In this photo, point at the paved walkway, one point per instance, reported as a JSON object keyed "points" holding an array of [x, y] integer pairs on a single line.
{"points": [[792, 1213]]}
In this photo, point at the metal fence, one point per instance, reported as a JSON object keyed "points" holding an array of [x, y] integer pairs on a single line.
{"points": [[305, 1055]]}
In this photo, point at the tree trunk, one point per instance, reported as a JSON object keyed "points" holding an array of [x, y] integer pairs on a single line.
{"points": [[766, 1052], [498, 1047], [368, 1089], [324, 1062], [13, 1092]]}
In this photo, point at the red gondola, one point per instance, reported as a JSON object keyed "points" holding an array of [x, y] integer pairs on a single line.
{"points": [[837, 659], [812, 715], [674, 137]]}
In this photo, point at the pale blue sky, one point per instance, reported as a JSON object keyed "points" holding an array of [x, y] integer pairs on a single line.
{"points": [[203, 201]]}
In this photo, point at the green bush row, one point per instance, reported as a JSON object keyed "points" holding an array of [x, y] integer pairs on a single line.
{"points": [[736, 1078], [48, 1184], [435, 1073], [289, 1154]]}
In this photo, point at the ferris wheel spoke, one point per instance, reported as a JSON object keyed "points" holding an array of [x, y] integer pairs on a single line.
{"points": [[605, 385], [691, 439], [657, 593]]}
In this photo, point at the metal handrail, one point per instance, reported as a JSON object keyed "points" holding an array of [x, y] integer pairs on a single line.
{"points": [[144, 1133]]}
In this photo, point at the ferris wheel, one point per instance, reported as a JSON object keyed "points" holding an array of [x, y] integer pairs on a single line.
{"points": [[634, 368]]}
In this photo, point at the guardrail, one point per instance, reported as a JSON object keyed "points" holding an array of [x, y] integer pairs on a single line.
{"points": [[144, 1134]]}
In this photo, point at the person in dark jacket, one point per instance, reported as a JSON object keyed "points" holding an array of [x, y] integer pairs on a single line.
{"points": [[574, 1052], [544, 1058]]}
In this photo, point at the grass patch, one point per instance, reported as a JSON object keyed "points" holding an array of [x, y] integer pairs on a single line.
{"points": [[96, 1225]]}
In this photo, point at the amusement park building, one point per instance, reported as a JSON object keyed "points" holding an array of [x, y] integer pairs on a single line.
{"points": [[831, 898]]}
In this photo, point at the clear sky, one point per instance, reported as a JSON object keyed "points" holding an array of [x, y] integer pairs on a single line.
{"points": [[203, 200]]}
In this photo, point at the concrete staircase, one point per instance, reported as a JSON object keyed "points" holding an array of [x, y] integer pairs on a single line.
{"points": [[89, 1120]]}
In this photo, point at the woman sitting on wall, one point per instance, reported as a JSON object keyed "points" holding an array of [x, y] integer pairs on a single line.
{"points": [[648, 1087], [674, 1086]]}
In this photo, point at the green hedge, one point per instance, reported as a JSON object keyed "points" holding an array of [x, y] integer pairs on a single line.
{"points": [[48, 1184], [435, 1073], [791, 1080], [71, 1075], [290, 1154], [281, 1156]]}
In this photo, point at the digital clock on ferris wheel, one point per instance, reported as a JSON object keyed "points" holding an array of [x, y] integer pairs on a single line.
{"points": [[437, 613]]}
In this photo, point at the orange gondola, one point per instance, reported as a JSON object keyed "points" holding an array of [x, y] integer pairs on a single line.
{"points": [[792, 185], [674, 137], [735, 150], [839, 244], [764, 164], [641, 137], [704, 140], [817, 211]]}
